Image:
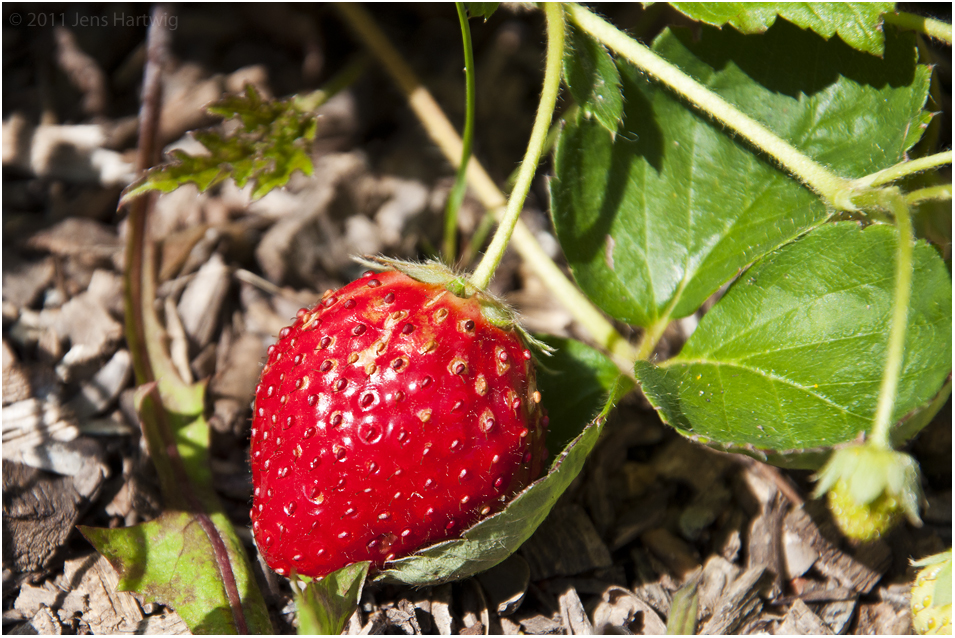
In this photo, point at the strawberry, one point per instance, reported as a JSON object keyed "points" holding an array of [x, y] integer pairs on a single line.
{"points": [[390, 416], [932, 595]]}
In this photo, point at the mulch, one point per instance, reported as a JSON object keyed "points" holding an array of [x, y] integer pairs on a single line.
{"points": [[651, 514]]}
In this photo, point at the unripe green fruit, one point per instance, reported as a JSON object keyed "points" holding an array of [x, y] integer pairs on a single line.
{"points": [[863, 522], [932, 597]]}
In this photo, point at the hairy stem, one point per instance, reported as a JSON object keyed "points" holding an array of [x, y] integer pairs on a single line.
{"points": [[545, 112], [456, 196], [904, 169], [929, 26], [142, 326], [441, 131], [891, 199], [834, 190], [939, 193]]}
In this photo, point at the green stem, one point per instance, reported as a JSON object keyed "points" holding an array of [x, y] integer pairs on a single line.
{"points": [[440, 130], [456, 196], [545, 112], [891, 199], [490, 216], [939, 193], [904, 169], [834, 190], [929, 26]]}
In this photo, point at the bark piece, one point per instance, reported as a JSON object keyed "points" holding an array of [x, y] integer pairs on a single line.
{"points": [[39, 512], [620, 610], [99, 392], [16, 382], [884, 619], [506, 584], [441, 609], [798, 555], [43, 623], [25, 281], [740, 603], [575, 620], [718, 574], [837, 614], [803, 621], [201, 301], [402, 618], [680, 559], [859, 575], [565, 544]]}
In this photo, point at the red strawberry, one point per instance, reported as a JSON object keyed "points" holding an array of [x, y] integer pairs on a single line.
{"points": [[390, 416]]}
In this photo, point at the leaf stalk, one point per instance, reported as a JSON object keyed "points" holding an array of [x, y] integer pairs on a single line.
{"points": [[834, 190], [440, 130], [904, 169], [456, 196], [545, 111], [929, 26], [892, 200]]}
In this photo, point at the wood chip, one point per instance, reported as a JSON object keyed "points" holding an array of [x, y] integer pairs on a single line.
{"points": [[801, 620], [402, 617], [39, 510], [620, 610], [740, 602], [718, 574], [201, 301], [882, 618], [573, 616], [855, 574], [101, 391], [441, 609], [680, 559], [837, 614], [565, 544], [506, 584], [765, 542]]}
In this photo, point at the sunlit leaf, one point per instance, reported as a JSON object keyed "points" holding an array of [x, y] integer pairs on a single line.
{"points": [[656, 218], [792, 356], [859, 24]]}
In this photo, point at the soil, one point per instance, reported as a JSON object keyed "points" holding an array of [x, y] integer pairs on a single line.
{"points": [[650, 514]]}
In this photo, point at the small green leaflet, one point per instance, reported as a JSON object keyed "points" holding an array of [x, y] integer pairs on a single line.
{"points": [[593, 79], [657, 217], [170, 560], [792, 357], [481, 9], [859, 24], [270, 144], [495, 538], [326, 604]]}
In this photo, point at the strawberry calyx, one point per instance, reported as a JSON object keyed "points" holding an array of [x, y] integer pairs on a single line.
{"points": [[870, 488], [495, 310]]}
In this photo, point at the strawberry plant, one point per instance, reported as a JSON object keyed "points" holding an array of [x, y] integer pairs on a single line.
{"points": [[772, 166]]}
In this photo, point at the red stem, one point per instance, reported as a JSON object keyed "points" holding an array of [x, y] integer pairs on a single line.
{"points": [[147, 155]]}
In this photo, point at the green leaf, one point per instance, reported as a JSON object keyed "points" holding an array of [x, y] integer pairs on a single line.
{"points": [[859, 24], [574, 383], [271, 142], [792, 357], [656, 218], [495, 538], [481, 9], [326, 604], [170, 560], [681, 620], [593, 79]]}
